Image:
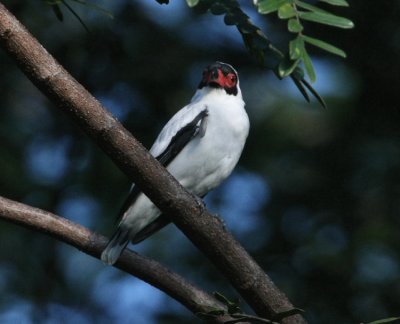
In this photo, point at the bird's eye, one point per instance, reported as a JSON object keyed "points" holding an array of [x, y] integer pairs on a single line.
{"points": [[231, 78]]}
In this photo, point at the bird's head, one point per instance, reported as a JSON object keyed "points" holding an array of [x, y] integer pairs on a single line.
{"points": [[220, 76]]}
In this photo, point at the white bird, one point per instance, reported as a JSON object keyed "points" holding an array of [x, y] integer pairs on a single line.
{"points": [[199, 146]]}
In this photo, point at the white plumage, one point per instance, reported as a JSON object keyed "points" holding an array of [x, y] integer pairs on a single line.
{"points": [[216, 142]]}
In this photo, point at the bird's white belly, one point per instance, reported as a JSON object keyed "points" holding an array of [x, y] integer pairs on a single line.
{"points": [[203, 164]]}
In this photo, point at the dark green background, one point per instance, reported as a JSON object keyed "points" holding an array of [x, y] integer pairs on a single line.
{"points": [[315, 198]]}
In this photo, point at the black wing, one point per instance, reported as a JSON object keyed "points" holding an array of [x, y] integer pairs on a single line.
{"points": [[196, 127], [183, 136]]}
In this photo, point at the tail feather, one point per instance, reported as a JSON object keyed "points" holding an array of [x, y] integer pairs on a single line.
{"points": [[115, 246], [150, 229]]}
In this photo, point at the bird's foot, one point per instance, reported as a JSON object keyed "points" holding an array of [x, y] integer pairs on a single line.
{"points": [[200, 202]]}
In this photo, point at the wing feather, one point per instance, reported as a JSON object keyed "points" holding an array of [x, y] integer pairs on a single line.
{"points": [[183, 136], [172, 141]]}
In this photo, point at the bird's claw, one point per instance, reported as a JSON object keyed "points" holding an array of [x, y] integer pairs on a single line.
{"points": [[200, 202]]}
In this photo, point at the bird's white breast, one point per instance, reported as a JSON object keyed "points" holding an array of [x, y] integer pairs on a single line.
{"points": [[206, 161]]}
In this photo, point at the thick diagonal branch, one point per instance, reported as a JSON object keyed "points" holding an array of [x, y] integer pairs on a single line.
{"points": [[202, 228]]}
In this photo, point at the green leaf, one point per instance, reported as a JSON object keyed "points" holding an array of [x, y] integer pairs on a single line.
{"points": [[308, 65], [286, 11], [192, 3], [385, 320], [294, 26], [309, 7], [342, 3], [296, 48], [327, 19], [287, 66], [267, 6], [325, 46]]}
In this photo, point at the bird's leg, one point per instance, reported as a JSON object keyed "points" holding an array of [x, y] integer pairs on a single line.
{"points": [[200, 202]]}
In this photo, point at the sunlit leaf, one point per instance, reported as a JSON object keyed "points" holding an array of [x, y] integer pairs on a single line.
{"points": [[308, 66], [327, 19], [324, 45], [342, 3], [294, 26], [192, 3], [296, 47], [286, 11], [268, 6], [287, 66], [309, 7]]}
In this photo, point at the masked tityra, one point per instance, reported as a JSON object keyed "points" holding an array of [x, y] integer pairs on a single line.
{"points": [[199, 146]]}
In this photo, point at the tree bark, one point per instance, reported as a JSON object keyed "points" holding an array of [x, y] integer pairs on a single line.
{"points": [[205, 230]]}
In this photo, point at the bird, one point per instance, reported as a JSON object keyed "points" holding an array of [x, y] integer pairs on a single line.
{"points": [[200, 146]]}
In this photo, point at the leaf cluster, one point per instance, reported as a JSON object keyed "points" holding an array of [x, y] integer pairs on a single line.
{"points": [[295, 12], [261, 48], [294, 62]]}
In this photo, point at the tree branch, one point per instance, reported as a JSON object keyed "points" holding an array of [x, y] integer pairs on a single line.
{"points": [[148, 270], [202, 228]]}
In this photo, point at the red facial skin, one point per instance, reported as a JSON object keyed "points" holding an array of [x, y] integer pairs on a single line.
{"points": [[224, 81]]}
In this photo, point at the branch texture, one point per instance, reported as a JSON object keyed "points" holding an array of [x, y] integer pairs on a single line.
{"points": [[202, 228]]}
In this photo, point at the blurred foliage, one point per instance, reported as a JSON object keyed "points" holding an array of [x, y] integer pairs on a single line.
{"points": [[255, 40], [315, 198], [296, 12]]}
